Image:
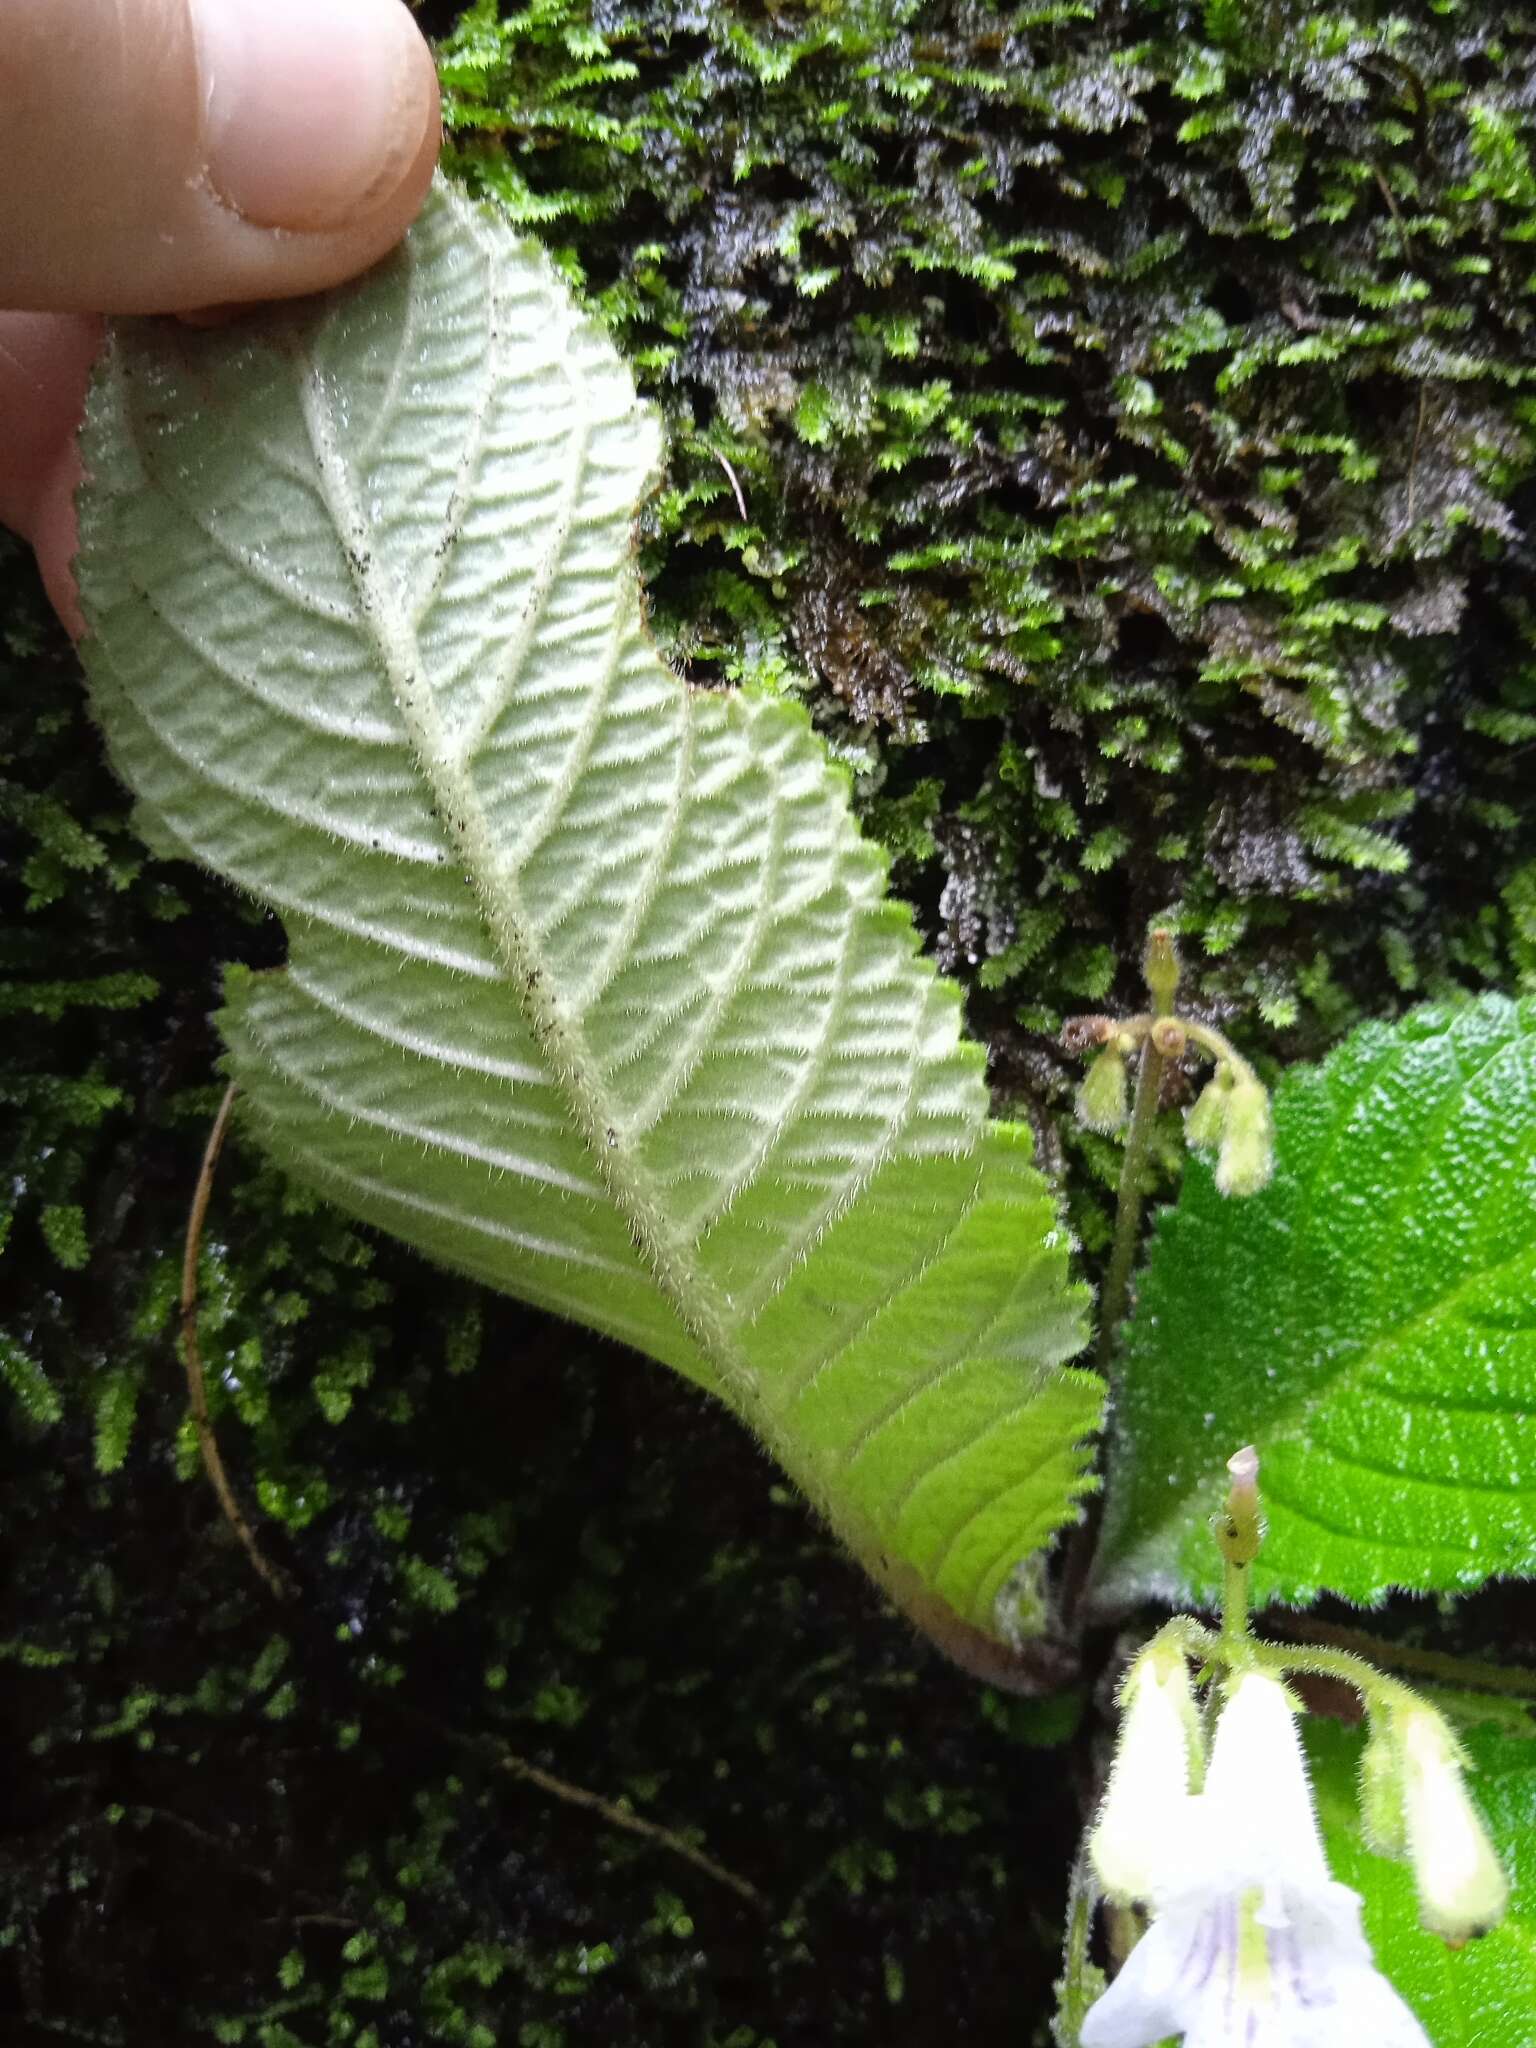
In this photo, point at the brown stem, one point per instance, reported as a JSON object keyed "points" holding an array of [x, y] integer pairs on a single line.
{"points": [[495, 1751], [192, 1357]]}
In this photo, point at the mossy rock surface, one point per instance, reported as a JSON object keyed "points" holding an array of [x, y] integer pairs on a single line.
{"points": [[1116, 422]]}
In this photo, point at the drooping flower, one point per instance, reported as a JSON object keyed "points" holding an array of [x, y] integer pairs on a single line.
{"points": [[1383, 1821], [1414, 1804], [1102, 1099], [1206, 1121], [1461, 1883], [1252, 1943], [1247, 1156], [1159, 1758]]}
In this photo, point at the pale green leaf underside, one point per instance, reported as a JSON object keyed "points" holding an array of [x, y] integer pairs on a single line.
{"points": [[593, 987], [1369, 1321], [1482, 1996]]}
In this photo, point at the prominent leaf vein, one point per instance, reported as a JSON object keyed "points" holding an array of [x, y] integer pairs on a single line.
{"points": [[592, 990]]}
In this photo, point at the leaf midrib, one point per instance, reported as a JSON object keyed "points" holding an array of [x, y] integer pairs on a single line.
{"points": [[694, 1298]]}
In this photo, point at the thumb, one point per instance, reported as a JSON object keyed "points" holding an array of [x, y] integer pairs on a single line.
{"points": [[161, 155]]}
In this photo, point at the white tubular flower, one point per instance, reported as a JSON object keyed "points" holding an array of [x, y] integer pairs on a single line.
{"points": [[1159, 1753], [1382, 1818], [1461, 1883], [1252, 1944]]}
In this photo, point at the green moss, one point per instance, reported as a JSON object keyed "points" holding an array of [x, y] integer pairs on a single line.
{"points": [[1129, 413], [35, 1395]]}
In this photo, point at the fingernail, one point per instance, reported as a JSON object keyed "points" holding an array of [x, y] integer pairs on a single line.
{"points": [[314, 110]]}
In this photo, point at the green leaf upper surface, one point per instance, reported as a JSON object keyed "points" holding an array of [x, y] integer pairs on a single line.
{"points": [[593, 989], [1482, 1996], [1369, 1321]]}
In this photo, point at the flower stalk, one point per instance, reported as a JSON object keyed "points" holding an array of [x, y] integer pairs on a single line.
{"points": [[1231, 1116], [1239, 1536], [1128, 1201]]}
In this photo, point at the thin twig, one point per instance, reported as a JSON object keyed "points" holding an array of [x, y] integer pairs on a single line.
{"points": [[741, 496], [496, 1752], [592, 1802], [192, 1356]]}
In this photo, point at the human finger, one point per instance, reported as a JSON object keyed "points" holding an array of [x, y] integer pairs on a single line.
{"points": [[162, 155], [45, 365]]}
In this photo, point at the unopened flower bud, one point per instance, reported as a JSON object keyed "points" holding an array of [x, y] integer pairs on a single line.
{"points": [[1101, 1101], [1240, 1529], [1205, 1123], [1247, 1156], [1383, 1819], [1160, 966], [1461, 1883], [1159, 1760]]}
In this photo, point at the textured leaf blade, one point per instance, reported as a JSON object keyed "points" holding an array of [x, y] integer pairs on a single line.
{"points": [[593, 989], [1482, 1996], [1369, 1321]]}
